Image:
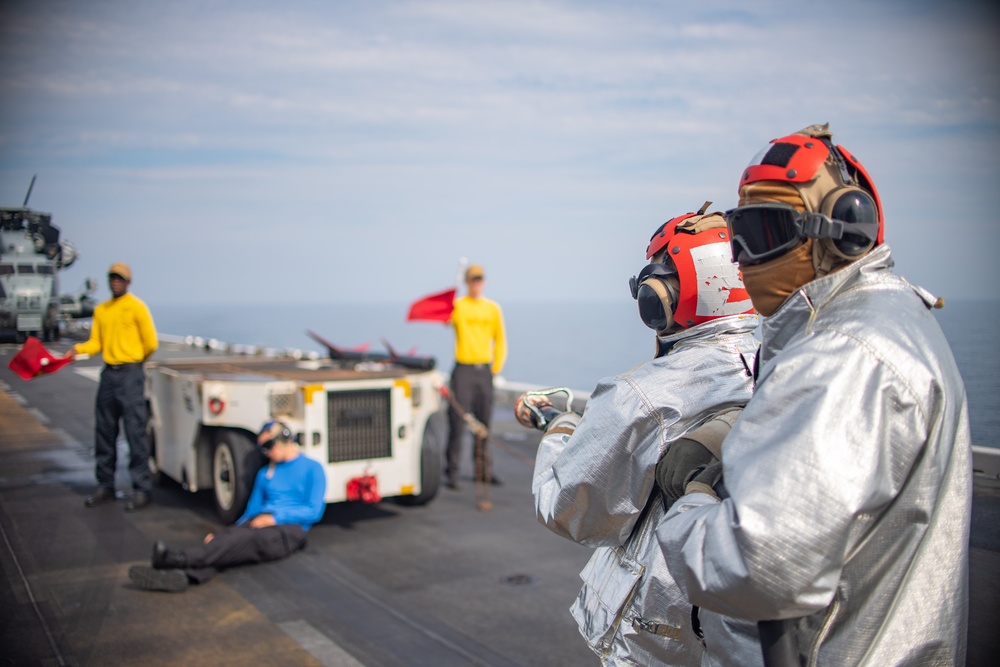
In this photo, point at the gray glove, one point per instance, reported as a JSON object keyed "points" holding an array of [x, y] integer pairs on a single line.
{"points": [[689, 454], [683, 457], [707, 479]]}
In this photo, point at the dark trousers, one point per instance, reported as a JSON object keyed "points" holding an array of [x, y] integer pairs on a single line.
{"points": [[120, 397], [472, 388], [242, 545]]}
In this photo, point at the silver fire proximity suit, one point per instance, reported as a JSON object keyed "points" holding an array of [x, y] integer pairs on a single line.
{"points": [[849, 481], [594, 484]]}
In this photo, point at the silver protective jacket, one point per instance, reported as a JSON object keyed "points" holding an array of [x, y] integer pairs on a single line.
{"points": [[594, 483], [849, 481]]}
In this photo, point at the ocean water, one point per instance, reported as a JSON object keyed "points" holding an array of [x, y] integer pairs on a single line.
{"points": [[564, 344], [971, 328]]}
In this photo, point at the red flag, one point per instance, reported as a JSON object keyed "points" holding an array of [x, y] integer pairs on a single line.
{"points": [[33, 360], [433, 308]]}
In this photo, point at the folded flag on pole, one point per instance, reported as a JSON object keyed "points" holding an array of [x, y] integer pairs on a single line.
{"points": [[433, 308], [33, 360]]}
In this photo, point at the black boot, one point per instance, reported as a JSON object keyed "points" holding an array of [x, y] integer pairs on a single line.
{"points": [[102, 495], [165, 559], [139, 500]]}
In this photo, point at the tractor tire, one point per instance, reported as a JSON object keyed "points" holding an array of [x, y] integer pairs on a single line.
{"points": [[431, 451], [235, 463]]}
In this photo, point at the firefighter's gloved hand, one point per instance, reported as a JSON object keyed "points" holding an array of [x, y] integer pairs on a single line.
{"points": [[528, 418], [678, 467], [707, 479], [522, 413], [673, 470]]}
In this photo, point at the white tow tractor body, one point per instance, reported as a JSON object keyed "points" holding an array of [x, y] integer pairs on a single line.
{"points": [[367, 423]]}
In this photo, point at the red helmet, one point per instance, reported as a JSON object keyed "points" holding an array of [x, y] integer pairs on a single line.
{"points": [[692, 278], [830, 181]]}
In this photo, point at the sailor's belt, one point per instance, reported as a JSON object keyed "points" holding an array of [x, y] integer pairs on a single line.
{"points": [[479, 366], [119, 367]]}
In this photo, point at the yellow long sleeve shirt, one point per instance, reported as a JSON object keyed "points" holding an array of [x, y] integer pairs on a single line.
{"points": [[122, 330], [479, 332]]}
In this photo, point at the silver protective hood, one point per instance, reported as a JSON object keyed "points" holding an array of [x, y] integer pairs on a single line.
{"points": [[849, 479], [594, 484]]}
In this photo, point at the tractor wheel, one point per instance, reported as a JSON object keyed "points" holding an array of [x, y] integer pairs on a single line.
{"points": [[431, 450], [234, 466]]}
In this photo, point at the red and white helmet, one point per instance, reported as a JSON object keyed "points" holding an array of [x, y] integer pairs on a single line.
{"points": [[831, 183], [691, 278]]}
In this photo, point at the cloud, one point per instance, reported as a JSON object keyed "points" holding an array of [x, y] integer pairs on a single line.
{"points": [[542, 134]]}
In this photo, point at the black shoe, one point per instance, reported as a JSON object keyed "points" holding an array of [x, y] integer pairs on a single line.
{"points": [[494, 481], [149, 579], [167, 559], [159, 559], [139, 500], [99, 497], [451, 482]]}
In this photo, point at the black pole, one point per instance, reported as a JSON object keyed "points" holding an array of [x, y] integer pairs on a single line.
{"points": [[28, 196], [777, 641]]}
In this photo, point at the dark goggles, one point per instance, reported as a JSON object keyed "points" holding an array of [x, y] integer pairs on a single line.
{"points": [[267, 445], [650, 270], [761, 232]]}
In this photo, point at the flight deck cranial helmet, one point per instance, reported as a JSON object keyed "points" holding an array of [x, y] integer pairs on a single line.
{"points": [[272, 433], [691, 277], [841, 206]]}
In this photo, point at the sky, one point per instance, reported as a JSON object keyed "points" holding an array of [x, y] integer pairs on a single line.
{"points": [[322, 152]]}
